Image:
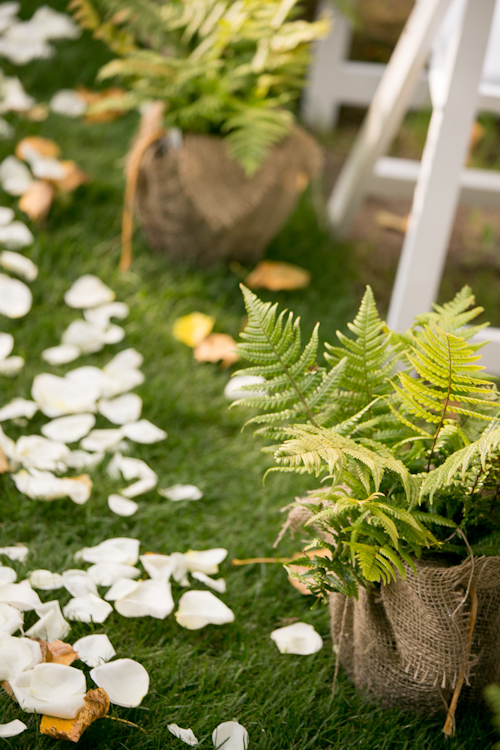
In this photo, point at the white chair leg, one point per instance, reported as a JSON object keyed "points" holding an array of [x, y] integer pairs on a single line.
{"points": [[438, 186]]}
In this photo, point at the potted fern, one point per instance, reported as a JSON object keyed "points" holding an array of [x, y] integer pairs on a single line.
{"points": [[405, 432], [226, 161]]}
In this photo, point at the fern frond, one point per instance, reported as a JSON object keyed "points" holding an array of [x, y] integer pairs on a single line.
{"points": [[454, 317]]}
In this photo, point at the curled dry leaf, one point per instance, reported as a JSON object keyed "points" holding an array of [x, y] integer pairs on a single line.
{"points": [[217, 347], [96, 705], [278, 276], [230, 735], [37, 200], [35, 143], [299, 638], [193, 328], [125, 681], [60, 652]]}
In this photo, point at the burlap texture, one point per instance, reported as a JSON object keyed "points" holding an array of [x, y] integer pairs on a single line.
{"points": [[196, 203], [405, 643]]}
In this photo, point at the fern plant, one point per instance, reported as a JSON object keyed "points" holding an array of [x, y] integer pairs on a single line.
{"points": [[403, 429], [232, 68]]}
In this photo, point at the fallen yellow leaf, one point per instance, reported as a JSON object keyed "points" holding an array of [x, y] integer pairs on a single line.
{"points": [[43, 147], [57, 651], [37, 200], [277, 276], [193, 328], [218, 347], [96, 706]]}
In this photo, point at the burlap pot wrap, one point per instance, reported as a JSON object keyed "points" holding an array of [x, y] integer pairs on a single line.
{"points": [[195, 202], [405, 643]]}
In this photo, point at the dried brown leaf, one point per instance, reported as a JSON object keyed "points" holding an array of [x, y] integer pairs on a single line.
{"points": [[218, 347], [4, 464], [61, 653], [37, 200], [277, 276], [43, 147], [96, 707]]}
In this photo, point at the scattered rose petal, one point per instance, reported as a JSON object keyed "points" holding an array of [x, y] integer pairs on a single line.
{"points": [[15, 297], [218, 347], [19, 595], [164, 567], [277, 276], [15, 177], [88, 291], [37, 200], [79, 582], [69, 429], [68, 102], [82, 460], [38, 145], [6, 216], [101, 315], [88, 608], [6, 344], [143, 432], [18, 407], [298, 638], [179, 492], [12, 728], [125, 681], [102, 440], [46, 168], [53, 689], [130, 468], [106, 574], [121, 588], [57, 397], [18, 553], [35, 451], [45, 580], [205, 561], [89, 375], [123, 550], [234, 390], [60, 355], [96, 706], [51, 626], [90, 338], [193, 328], [128, 359], [43, 485], [11, 365], [200, 608], [11, 619], [17, 655], [186, 735], [50, 24], [94, 649], [149, 598], [231, 736], [7, 575], [139, 487], [121, 506], [19, 264], [218, 585], [126, 408], [15, 236]]}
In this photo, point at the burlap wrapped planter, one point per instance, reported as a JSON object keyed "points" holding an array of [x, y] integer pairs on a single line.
{"points": [[196, 203], [405, 643]]}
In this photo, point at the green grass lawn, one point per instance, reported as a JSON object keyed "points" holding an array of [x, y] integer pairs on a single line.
{"points": [[200, 678]]}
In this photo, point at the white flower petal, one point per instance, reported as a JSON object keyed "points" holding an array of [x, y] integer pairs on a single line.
{"points": [[42, 485], [101, 316], [149, 598], [87, 291], [200, 608], [78, 582], [139, 487], [230, 735], [113, 334], [18, 407], [15, 177], [11, 619], [7, 575], [94, 649], [130, 468], [205, 561], [82, 460], [66, 707], [121, 588], [68, 102], [51, 626], [186, 735], [6, 344], [46, 167], [87, 337], [17, 553], [6, 214], [20, 596], [13, 96], [88, 608], [218, 585], [125, 681], [106, 574], [121, 506], [45, 580], [19, 264], [298, 638], [16, 655], [7, 444], [124, 381], [102, 440], [123, 550], [233, 390], [57, 397], [60, 355], [69, 429], [91, 376], [35, 451], [52, 681], [164, 567], [12, 728], [179, 492], [128, 359], [11, 365], [144, 432], [15, 297], [15, 236], [50, 24], [126, 408]]}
